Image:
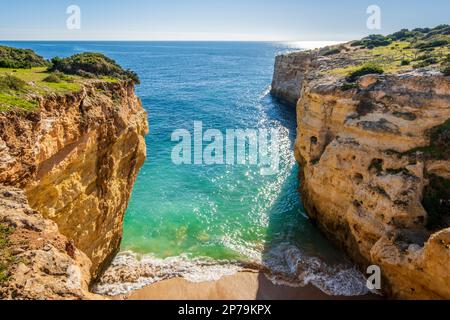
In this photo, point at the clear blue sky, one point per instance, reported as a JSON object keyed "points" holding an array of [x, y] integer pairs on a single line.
{"points": [[283, 20]]}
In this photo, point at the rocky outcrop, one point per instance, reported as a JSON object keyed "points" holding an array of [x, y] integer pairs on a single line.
{"points": [[370, 156], [70, 167], [47, 265], [290, 73]]}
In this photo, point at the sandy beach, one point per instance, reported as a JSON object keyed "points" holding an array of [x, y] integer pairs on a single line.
{"points": [[241, 286]]}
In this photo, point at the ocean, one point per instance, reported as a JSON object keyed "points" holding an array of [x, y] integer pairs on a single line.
{"points": [[185, 217]]}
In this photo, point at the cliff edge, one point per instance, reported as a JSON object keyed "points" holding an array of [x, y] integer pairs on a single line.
{"points": [[373, 144], [67, 169]]}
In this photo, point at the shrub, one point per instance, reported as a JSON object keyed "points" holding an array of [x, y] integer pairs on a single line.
{"points": [[377, 41], [405, 62], [436, 201], [443, 29], [364, 70], [424, 57], [427, 62], [20, 58], [348, 86], [432, 60], [373, 41], [440, 135], [422, 30], [10, 82], [446, 70], [332, 52], [439, 148], [356, 43], [426, 50], [92, 65], [53, 78], [432, 44], [5, 254], [403, 34]]}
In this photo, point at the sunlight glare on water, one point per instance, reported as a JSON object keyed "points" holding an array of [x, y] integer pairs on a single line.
{"points": [[193, 213]]}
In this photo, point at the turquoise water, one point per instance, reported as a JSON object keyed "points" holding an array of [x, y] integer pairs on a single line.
{"points": [[217, 212]]}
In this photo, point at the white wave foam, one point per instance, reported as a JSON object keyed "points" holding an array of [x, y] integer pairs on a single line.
{"points": [[243, 248], [283, 265], [130, 271], [289, 266], [265, 93]]}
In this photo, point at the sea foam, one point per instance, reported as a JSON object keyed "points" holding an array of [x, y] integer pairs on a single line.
{"points": [[283, 265]]}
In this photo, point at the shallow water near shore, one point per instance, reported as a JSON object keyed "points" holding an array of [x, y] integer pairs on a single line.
{"points": [[202, 222]]}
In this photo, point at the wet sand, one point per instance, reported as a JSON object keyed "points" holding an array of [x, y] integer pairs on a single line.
{"points": [[241, 286]]}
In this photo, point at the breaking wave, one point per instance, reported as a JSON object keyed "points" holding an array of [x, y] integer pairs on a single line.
{"points": [[283, 265], [130, 271]]}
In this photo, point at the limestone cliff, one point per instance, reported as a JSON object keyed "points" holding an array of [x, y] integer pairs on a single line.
{"points": [[290, 73], [375, 164], [67, 171]]}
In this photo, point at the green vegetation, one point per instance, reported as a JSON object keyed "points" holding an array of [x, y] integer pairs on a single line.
{"points": [[92, 65], [432, 44], [373, 41], [20, 58], [348, 86], [368, 68], [53, 78], [445, 67], [8, 102], [436, 201], [10, 82], [446, 70], [420, 38], [13, 93], [440, 135], [439, 148], [425, 57], [331, 52], [425, 61], [5, 255], [18, 87], [405, 62], [402, 51], [405, 34], [24, 76]]}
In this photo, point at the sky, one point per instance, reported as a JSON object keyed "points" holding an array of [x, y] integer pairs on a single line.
{"points": [[245, 20]]}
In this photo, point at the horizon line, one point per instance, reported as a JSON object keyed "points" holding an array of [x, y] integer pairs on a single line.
{"points": [[168, 40]]}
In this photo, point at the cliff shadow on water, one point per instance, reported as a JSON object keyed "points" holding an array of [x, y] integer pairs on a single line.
{"points": [[295, 252]]}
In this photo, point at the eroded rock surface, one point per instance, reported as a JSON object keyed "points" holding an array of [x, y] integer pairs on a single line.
{"points": [[46, 264], [72, 166], [375, 164]]}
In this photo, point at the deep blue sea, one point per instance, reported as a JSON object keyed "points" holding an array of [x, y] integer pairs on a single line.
{"points": [[217, 212]]}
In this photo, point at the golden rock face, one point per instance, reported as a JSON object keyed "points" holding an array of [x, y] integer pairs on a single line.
{"points": [[359, 180], [77, 160], [46, 264]]}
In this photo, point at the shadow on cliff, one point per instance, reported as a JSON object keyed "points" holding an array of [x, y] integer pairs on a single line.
{"points": [[291, 235], [284, 215]]}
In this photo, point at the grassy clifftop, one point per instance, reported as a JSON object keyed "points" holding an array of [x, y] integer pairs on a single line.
{"points": [[92, 65], [405, 50], [24, 75], [20, 58]]}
